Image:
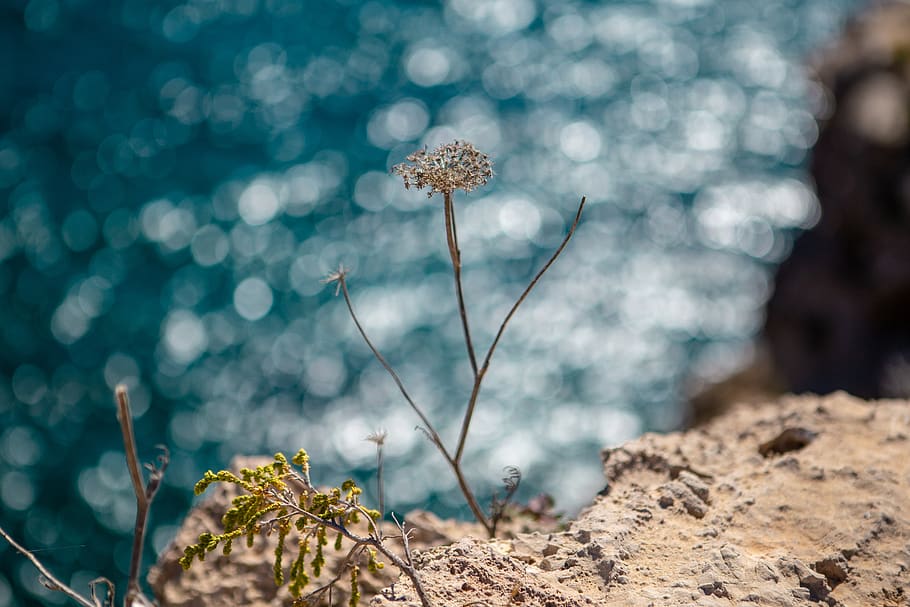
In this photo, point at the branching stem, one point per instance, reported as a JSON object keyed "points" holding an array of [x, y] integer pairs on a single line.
{"points": [[411, 572], [476, 510], [434, 436], [53, 582], [144, 497], [479, 375]]}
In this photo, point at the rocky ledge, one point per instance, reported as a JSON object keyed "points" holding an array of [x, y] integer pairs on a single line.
{"points": [[797, 502], [803, 501]]}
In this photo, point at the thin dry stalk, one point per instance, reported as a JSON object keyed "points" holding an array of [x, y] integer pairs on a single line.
{"points": [[312, 597], [341, 278], [407, 567], [455, 254], [378, 438], [498, 508], [51, 582], [144, 496], [478, 378], [450, 167], [108, 587], [411, 572]]}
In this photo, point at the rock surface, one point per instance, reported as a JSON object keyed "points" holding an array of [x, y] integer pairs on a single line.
{"points": [[246, 577], [798, 502]]}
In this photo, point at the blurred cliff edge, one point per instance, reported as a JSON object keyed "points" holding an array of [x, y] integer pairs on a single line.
{"points": [[839, 317]]}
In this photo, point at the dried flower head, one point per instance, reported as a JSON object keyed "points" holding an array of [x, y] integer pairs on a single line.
{"points": [[336, 277], [378, 437], [453, 166]]}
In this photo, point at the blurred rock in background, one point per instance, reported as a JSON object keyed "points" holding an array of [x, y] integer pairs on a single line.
{"points": [[839, 317]]}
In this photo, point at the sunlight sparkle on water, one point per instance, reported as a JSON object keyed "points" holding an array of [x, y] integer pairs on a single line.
{"points": [[172, 209]]}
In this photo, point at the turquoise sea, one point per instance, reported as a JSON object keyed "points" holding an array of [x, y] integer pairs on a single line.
{"points": [[177, 178]]}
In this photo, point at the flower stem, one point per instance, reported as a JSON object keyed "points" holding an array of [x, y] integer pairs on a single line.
{"points": [[434, 436], [478, 377], [455, 254], [430, 430]]}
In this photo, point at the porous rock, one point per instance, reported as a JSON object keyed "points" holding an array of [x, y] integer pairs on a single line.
{"points": [[769, 534], [246, 576]]}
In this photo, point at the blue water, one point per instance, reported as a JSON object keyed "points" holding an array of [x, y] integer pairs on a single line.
{"points": [[176, 179]]}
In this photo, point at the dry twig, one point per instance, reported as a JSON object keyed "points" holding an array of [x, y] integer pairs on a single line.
{"points": [[144, 496], [448, 168]]}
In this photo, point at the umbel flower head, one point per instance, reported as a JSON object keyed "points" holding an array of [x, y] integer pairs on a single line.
{"points": [[453, 166]]}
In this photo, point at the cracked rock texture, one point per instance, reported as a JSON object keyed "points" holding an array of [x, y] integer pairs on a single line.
{"points": [[803, 501]]}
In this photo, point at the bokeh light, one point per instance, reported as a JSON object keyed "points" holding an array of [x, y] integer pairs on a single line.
{"points": [[169, 210]]}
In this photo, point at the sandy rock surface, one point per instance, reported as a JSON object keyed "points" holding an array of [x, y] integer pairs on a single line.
{"points": [[798, 502], [803, 501]]}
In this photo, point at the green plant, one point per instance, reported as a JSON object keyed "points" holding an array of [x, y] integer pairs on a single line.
{"points": [[144, 496], [280, 498], [455, 166]]}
